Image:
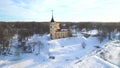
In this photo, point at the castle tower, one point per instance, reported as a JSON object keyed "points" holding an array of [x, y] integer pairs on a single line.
{"points": [[52, 27], [56, 31]]}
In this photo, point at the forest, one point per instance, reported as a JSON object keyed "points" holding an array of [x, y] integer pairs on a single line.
{"points": [[27, 29]]}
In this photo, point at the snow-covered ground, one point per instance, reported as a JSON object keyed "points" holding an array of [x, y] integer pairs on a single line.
{"points": [[107, 57], [72, 52]]}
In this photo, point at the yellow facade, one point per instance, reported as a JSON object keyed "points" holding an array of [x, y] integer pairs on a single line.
{"points": [[54, 34], [57, 26]]}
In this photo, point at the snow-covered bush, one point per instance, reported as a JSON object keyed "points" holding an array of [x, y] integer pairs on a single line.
{"points": [[83, 44]]}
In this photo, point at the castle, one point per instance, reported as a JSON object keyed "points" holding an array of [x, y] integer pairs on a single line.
{"points": [[56, 31]]}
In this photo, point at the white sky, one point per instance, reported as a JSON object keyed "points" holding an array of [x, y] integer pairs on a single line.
{"points": [[64, 10]]}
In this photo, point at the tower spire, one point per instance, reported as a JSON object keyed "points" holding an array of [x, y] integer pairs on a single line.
{"points": [[52, 20]]}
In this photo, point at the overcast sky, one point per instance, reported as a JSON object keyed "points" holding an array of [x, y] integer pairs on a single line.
{"points": [[64, 10]]}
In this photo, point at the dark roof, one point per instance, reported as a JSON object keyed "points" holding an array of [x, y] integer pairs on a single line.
{"points": [[52, 20]]}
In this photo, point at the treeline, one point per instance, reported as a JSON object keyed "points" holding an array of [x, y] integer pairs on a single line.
{"points": [[98, 25], [109, 26], [106, 30]]}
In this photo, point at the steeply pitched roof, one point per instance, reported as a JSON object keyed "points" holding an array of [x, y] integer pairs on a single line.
{"points": [[52, 20]]}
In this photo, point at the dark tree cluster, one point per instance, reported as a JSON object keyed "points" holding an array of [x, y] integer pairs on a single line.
{"points": [[23, 29], [109, 26], [106, 30]]}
